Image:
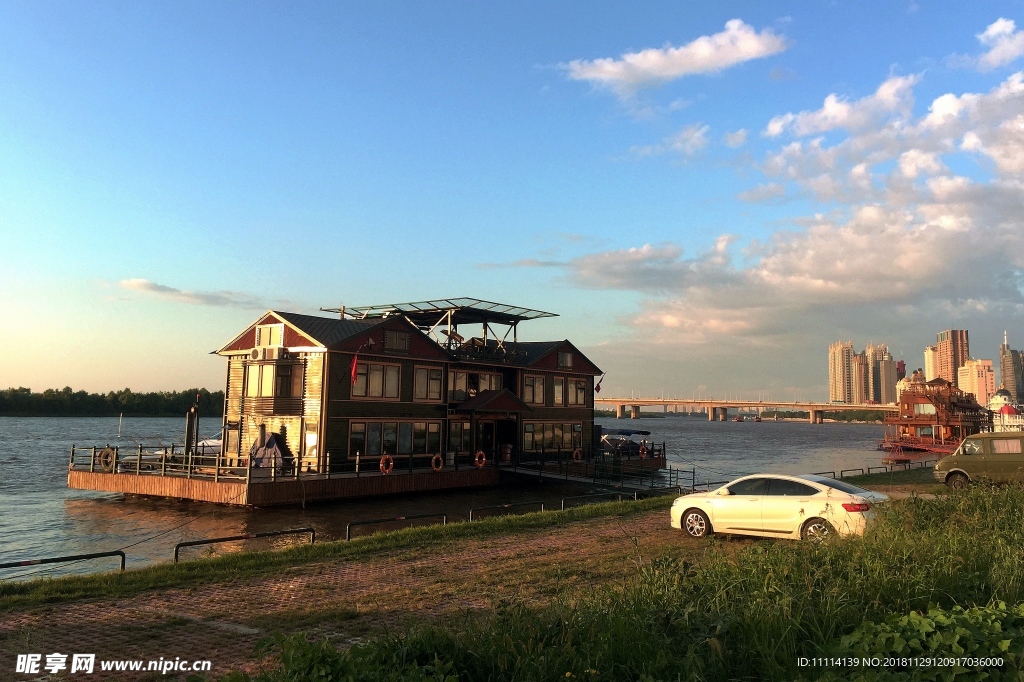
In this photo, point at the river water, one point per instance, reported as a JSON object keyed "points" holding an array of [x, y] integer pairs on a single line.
{"points": [[40, 517]]}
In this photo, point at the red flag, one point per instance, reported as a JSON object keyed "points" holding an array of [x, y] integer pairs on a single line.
{"points": [[597, 389], [355, 365]]}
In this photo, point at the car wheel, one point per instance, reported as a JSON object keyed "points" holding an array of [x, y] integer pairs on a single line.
{"points": [[957, 481], [696, 523], [816, 529]]}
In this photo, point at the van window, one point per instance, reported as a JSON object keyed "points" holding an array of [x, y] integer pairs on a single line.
{"points": [[971, 447], [1005, 446]]}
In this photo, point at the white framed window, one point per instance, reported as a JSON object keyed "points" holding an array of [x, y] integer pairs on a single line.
{"points": [[270, 335]]}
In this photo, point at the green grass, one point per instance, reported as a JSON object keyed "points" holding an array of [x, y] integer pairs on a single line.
{"points": [[724, 615], [245, 565]]}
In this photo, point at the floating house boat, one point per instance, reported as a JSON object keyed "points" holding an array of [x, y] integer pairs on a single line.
{"points": [[377, 400], [933, 418]]}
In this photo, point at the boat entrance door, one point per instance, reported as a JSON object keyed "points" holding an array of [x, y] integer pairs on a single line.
{"points": [[485, 437]]}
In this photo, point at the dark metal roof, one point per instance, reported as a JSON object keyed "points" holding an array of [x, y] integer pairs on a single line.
{"points": [[464, 310], [502, 400], [325, 330]]}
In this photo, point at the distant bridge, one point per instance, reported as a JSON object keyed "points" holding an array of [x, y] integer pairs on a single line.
{"points": [[718, 410]]}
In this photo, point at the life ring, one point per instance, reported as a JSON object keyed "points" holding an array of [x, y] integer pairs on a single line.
{"points": [[480, 459], [577, 454], [105, 458], [386, 464], [643, 452], [437, 462]]}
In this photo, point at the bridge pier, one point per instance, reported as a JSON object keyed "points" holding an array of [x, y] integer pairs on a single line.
{"points": [[634, 411], [620, 411], [723, 414], [815, 416], [712, 413]]}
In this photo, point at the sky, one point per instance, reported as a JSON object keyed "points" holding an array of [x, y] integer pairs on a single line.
{"points": [[708, 194]]}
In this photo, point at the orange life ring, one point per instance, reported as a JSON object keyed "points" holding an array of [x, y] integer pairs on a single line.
{"points": [[386, 464], [437, 462], [577, 454], [480, 459], [643, 452], [105, 458]]}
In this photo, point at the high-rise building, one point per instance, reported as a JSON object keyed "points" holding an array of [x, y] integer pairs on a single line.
{"points": [[887, 380], [977, 377], [875, 354], [901, 370], [1011, 371], [953, 351], [860, 377], [840, 381], [931, 363]]}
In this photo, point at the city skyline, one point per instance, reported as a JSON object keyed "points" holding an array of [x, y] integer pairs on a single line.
{"points": [[707, 195]]}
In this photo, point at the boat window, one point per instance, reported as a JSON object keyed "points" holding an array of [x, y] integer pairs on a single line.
{"points": [[394, 340], [577, 391], [1006, 446], [780, 486], [565, 359], [971, 447], [405, 438], [390, 438], [357, 440], [924, 408], [457, 386], [376, 381], [427, 383], [373, 438], [419, 437], [559, 384], [433, 437], [749, 486], [533, 390]]}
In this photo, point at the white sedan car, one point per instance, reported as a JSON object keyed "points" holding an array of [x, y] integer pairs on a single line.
{"points": [[777, 506]]}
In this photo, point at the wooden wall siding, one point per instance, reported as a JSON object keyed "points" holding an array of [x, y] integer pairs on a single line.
{"points": [[298, 491], [236, 379], [291, 338], [314, 381], [420, 345], [336, 443], [204, 490]]}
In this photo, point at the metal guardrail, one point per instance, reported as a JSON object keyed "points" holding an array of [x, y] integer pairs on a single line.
{"points": [[830, 474], [505, 506], [245, 536], [842, 473], [657, 492], [617, 495], [62, 559], [348, 528]]}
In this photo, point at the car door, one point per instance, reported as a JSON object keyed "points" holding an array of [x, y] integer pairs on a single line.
{"points": [[737, 508], [786, 505]]}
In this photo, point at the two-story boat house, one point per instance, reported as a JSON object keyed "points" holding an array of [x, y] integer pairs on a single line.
{"points": [[379, 399]]}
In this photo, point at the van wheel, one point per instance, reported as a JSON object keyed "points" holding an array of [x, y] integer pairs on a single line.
{"points": [[957, 481], [696, 523], [816, 530]]}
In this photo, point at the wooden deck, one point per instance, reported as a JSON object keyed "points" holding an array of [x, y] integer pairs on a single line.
{"points": [[280, 492]]}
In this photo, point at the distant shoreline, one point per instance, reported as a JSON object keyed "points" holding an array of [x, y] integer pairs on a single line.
{"points": [[66, 402]]}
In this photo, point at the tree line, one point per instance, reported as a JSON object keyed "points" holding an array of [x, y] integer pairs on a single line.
{"points": [[66, 402]]}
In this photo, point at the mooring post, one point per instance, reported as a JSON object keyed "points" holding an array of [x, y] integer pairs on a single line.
{"points": [[138, 461], [71, 462]]}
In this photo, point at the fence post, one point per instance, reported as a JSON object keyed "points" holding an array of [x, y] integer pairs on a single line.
{"points": [[138, 461], [71, 462], [116, 453]]}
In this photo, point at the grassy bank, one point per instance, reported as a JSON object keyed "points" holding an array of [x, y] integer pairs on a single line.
{"points": [[726, 615], [250, 565]]}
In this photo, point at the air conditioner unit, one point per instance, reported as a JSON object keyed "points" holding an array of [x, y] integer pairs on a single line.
{"points": [[264, 353]]}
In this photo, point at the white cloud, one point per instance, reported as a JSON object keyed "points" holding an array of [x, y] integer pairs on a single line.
{"points": [[687, 142], [1005, 43], [736, 139], [233, 299], [738, 43], [893, 97], [763, 193]]}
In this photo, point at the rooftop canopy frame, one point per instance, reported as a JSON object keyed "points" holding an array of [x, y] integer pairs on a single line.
{"points": [[445, 315]]}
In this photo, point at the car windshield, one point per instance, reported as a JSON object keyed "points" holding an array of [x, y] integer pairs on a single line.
{"points": [[838, 485]]}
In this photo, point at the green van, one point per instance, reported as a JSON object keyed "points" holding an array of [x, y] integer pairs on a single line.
{"points": [[997, 457]]}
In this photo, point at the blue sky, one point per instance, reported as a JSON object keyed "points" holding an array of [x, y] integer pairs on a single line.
{"points": [[708, 193]]}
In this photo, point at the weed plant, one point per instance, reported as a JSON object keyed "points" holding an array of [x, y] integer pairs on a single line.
{"points": [[741, 615]]}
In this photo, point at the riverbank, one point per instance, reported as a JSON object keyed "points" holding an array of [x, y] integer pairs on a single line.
{"points": [[354, 591]]}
